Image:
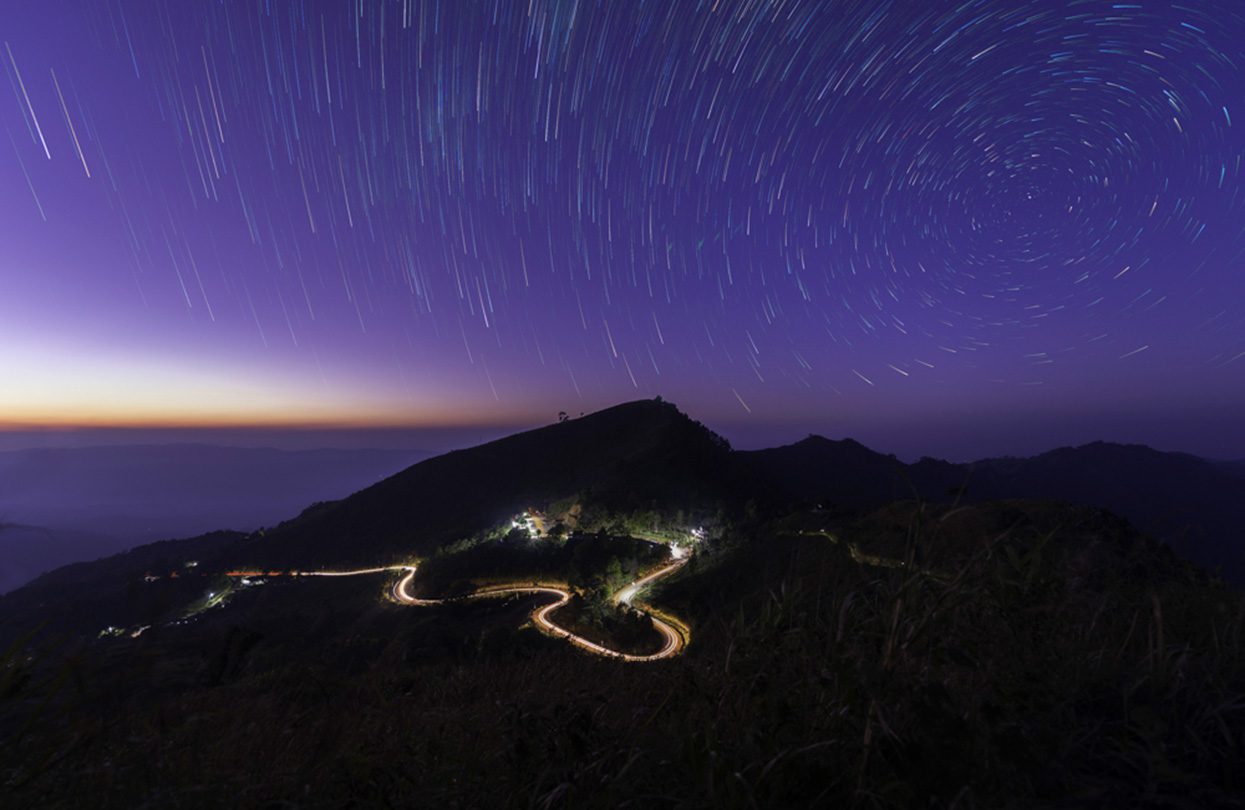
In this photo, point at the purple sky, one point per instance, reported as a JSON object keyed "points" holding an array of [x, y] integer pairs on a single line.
{"points": [[950, 228]]}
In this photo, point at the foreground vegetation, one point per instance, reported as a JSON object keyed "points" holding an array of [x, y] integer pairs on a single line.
{"points": [[1010, 654]]}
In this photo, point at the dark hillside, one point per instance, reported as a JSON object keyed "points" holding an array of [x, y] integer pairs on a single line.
{"points": [[1035, 655], [640, 455], [1190, 503], [1195, 506], [83, 598], [88, 502], [29, 550], [819, 470]]}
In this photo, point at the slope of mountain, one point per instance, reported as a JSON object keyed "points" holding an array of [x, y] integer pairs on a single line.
{"points": [[30, 550], [640, 456], [1195, 506], [90, 502], [820, 470], [1187, 502], [1024, 677], [648, 457], [637, 456], [145, 585]]}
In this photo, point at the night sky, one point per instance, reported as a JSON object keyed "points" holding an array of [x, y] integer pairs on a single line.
{"points": [[963, 228]]}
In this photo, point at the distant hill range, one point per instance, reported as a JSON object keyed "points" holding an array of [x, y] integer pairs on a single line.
{"points": [[1195, 506], [647, 457]]}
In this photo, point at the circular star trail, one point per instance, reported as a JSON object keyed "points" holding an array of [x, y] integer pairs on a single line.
{"points": [[410, 211]]}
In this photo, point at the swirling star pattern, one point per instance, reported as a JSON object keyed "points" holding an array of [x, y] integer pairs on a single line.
{"points": [[750, 206]]}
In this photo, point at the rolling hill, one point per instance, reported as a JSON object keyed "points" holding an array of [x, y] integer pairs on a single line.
{"points": [[1195, 506]]}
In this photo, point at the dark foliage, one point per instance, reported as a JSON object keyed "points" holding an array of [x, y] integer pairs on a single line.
{"points": [[1018, 654]]}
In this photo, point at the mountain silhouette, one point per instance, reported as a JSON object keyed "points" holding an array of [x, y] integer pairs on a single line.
{"points": [[817, 469], [643, 455], [1195, 506], [648, 457]]}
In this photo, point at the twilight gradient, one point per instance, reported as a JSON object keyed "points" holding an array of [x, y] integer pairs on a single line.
{"points": [[922, 220]]}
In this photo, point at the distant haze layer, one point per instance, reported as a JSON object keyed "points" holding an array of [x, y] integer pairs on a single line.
{"points": [[963, 434], [64, 504]]}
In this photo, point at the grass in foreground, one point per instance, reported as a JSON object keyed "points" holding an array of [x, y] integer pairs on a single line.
{"points": [[1024, 655]]}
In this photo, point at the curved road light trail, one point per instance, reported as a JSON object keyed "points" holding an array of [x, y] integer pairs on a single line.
{"points": [[675, 637], [672, 630]]}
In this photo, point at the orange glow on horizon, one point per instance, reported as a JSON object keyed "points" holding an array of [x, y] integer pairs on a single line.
{"points": [[66, 388], [12, 423]]}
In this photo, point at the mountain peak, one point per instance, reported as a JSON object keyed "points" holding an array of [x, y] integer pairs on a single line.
{"points": [[641, 455], [814, 440], [641, 410]]}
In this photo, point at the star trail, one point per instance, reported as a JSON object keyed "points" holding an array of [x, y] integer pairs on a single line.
{"points": [[830, 214]]}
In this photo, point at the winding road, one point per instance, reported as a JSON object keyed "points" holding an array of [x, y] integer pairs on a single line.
{"points": [[672, 630]]}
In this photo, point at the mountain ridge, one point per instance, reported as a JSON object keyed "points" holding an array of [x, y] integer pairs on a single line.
{"points": [[1189, 503], [648, 457]]}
